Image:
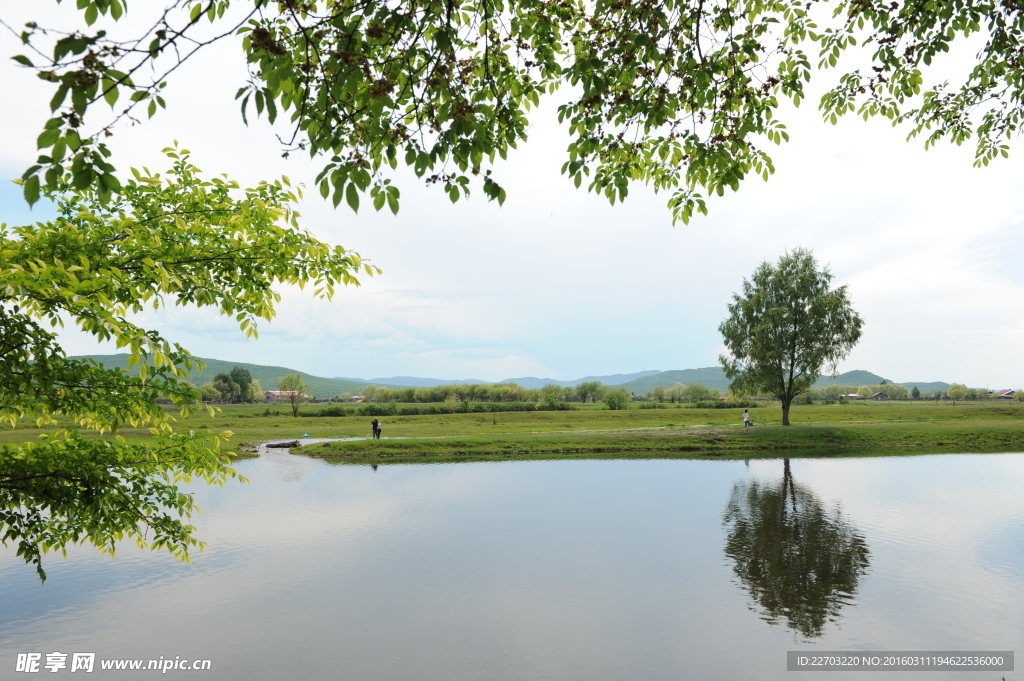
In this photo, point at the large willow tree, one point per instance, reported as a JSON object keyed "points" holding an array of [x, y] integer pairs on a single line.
{"points": [[678, 94], [785, 328], [173, 239]]}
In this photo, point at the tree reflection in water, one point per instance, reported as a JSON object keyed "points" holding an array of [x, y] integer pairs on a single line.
{"points": [[800, 561]]}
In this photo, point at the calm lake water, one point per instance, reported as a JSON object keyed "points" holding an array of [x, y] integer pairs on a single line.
{"points": [[588, 570]]}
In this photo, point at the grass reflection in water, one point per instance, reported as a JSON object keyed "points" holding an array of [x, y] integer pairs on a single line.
{"points": [[800, 561]]}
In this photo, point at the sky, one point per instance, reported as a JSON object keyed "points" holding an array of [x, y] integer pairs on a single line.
{"points": [[558, 283]]}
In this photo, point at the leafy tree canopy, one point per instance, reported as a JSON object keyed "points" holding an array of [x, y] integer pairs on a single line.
{"points": [[681, 96], [589, 389], [164, 239], [786, 327], [616, 398], [957, 391]]}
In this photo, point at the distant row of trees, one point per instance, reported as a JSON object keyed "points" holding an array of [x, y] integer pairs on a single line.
{"points": [[695, 392], [699, 393], [956, 391], [238, 386], [590, 391], [836, 391], [959, 391]]}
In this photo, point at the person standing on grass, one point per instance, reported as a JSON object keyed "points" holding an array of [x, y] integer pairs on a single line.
{"points": [[746, 419], [375, 424]]}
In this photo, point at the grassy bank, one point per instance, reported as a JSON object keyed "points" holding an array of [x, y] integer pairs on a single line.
{"points": [[700, 442], [592, 430]]}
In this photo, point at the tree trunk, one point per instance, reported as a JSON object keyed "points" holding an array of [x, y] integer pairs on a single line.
{"points": [[785, 412]]}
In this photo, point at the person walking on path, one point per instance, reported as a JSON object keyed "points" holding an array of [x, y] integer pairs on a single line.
{"points": [[746, 419], [375, 424]]}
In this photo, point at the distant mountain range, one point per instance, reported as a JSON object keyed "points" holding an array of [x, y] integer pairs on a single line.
{"points": [[526, 382], [640, 382], [714, 377]]}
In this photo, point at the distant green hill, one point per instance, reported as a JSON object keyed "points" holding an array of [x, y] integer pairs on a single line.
{"points": [[711, 377], [855, 377], [267, 376]]}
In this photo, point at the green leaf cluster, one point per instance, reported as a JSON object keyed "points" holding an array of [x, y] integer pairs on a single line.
{"points": [[178, 239], [678, 94], [670, 93], [904, 39]]}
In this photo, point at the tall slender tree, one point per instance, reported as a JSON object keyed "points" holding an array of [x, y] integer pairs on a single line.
{"points": [[296, 388]]}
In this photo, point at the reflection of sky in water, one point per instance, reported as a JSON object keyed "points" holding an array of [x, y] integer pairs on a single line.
{"points": [[557, 569]]}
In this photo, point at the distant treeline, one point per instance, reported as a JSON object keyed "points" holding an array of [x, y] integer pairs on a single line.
{"points": [[395, 409], [695, 392], [591, 391], [895, 392], [698, 393], [864, 392]]}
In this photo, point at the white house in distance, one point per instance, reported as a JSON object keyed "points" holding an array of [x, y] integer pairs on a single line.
{"points": [[281, 395]]}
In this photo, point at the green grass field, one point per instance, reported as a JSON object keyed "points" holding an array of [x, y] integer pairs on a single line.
{"points": [[910, 427]]}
